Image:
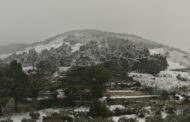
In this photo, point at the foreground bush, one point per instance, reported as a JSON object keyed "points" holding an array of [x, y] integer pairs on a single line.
{"points": [[120, 112], [8, 120], [98, 109], [28, 120], [125, 119], [155, 118], [65, 116], [34, 115]]}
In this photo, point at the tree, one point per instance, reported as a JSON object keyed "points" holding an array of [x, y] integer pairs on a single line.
{"points": [[49, 65], [154, 118], [118, 67], [19, 82], [80, 79], [4, 87], [152, 64], [39, 81], [96, 78], [98, 109], [32, 57]]}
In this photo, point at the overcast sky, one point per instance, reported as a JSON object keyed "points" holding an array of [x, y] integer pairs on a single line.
{"points": [[164, 21]]}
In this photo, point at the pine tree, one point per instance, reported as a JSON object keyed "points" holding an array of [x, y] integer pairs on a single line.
{"points": [[4, 88], [19, 82]]}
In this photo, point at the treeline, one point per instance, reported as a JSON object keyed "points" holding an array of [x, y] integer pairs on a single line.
{"points": [[152, 64], [16, 84], [21, 86], [79, 80], [90, 53], [13, 83]]}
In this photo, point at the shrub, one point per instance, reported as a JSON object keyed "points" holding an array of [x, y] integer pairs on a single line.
{"points": [[67, 118], [28, 120], [155, 118], [6, 121], [170, 110], [48, 103], [54, 118], [141, 115], [34, 115], [101, 120], [171, 118], [98, 109], [125, 119], [179, 77], [119, 112]]}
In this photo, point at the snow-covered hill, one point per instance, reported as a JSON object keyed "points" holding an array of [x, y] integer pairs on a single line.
{"points": [[75, 39], [85, 47]]}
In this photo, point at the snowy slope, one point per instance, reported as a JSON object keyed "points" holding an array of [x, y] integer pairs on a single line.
{"points": [[176, 57], [39, 48], [166, 83], [167, 79]]}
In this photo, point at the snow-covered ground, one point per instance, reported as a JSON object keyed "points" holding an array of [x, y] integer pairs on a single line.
{"points": [[114, 107], [18, 117], [166, 83], [116, 118], [76, 47], [82, 109], [157, 51], [173, 66], [64, 69]]}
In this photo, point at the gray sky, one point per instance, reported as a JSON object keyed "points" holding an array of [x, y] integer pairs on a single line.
{"points": [[164, 21]]}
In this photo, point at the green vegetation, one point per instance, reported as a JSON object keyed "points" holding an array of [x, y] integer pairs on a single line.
{"points": [[98, 109], [80, 80], [152, 64], [125, 119], [81, 85], [28, 120], [13, 83]]}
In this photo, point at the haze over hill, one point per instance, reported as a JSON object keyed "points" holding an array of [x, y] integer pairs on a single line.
{"points": [[162, 21]]}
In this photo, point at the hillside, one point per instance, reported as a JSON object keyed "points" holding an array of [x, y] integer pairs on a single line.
{"points": [[80, 47], [75, 44], [80, 36], [64, 71]]}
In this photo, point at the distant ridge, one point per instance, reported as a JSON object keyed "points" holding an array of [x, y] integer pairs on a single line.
{"points": [[86, 32]]}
